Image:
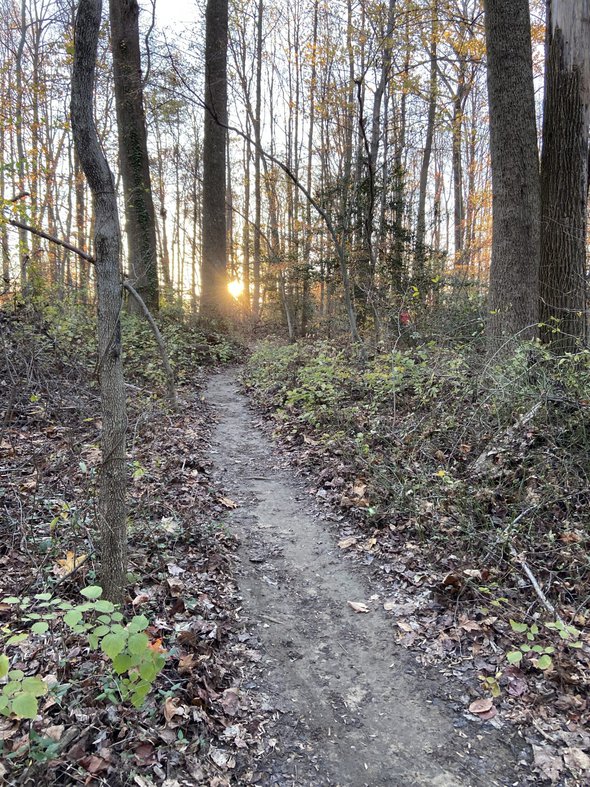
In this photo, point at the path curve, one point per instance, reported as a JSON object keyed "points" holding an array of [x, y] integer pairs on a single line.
{"points": [[356, 710]]}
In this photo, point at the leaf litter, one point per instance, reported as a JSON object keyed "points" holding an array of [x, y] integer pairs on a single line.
{"points": [[200, 722]]}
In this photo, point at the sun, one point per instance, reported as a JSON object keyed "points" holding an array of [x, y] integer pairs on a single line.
{"points": [[236, 288]]}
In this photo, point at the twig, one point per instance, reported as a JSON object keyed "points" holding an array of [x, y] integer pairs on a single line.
{"points": [[536, 587]]}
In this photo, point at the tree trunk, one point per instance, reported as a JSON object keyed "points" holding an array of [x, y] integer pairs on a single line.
{"points": [[514, 269], [564, 175], [420, 252], [133, 154], [257, 164], [23, 242], [214, 294], [107, 243]]}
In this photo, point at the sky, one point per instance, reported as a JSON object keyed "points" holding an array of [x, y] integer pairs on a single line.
{"points": [[171, 13]]}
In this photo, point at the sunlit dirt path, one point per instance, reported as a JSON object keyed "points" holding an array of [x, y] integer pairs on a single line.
{"points": [[354, 708]]}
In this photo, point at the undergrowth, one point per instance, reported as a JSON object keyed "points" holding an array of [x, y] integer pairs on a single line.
{"points": [[484, 458]]}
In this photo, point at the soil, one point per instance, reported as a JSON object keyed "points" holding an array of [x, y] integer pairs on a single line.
{"points": [[352, 707]]}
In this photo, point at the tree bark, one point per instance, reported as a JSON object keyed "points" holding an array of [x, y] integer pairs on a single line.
{"points": [[214, 294], [257, 163], [107, 243], [133, 153], [420, 252], [515, 174], [564, 175]]}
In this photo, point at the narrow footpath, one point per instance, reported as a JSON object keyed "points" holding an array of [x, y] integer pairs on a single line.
{"points": [[353, 708]]}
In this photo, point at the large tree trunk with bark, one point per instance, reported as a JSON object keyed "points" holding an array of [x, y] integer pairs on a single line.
{"points": [[564, 175], [515, 174], [133, 154], [107, 244], [214, 294]]}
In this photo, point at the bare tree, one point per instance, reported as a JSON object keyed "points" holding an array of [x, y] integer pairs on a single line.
{"points": [[107, 244], [133, 152], [515, 173], [214, 294]]}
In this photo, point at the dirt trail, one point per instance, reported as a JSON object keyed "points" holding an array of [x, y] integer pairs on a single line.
{"points": [[355, 709]]}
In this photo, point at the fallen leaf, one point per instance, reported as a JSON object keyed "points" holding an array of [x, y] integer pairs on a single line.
{"points": [[347, 542], [474, 573], [548, 761], [144, 752], [517, 686], [54, 733], [176, 586], [489, 714], [174, 570], [140, 599], [69, 564], [156, 646], [576, 760], [174, 712], [471, 625], [227, 502], [358, 606], [452, 580], [186, 663], [222, 758], [230, 701], [94, 764], [359, 489], [482, 705]]}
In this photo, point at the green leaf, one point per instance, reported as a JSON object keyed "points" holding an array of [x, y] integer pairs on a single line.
{"points": [[25, 706], [102, 605], [35, 686], [40, 627], [43, 596], [138, 643], [577, 644], [525, 648], [139, 694], [92, 592], [544, 662], [514, 657], [122, 663], [72, 618], [16, 674], [4, 664], [520, 628], [11, 600], [16, 638], [112, 645], [100, 631], [117, 616], [138, 623], [148, 671]]}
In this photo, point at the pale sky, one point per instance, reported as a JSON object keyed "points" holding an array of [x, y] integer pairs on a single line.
{"points": [[171, 13]]}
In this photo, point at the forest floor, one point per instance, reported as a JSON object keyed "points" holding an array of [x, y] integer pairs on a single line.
{"points": [[355, 708], [308, 640]]}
